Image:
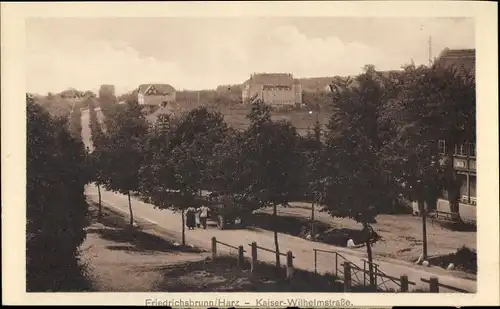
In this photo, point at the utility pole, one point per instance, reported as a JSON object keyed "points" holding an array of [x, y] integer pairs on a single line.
{"points": [[317, 134], [424, 230]]}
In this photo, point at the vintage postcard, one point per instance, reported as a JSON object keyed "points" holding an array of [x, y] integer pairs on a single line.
{"points": [[243, 154]]}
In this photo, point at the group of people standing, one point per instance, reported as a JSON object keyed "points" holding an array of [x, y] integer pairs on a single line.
{"points": [[197, 217]]}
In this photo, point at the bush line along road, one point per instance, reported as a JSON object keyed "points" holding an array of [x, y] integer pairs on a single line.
{"points": [[302, 249]]}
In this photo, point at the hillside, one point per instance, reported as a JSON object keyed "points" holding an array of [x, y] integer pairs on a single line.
{"points": [[235, 115], [312, 84]]}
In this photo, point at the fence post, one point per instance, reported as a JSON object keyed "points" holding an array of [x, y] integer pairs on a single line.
{"points": [[240, 256], [434, 285], [404, 283], [364, 272], [315, 261], [289, 265], [253, 262], [336, 266], [214, 248], [347, 277]]}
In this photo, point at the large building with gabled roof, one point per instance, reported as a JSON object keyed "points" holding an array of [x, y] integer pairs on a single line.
{"points": [[275, 89]]}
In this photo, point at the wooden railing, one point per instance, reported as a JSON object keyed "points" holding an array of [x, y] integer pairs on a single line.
{"points": [[253, 260], [351, 275], [434, 285], [241, 251]]}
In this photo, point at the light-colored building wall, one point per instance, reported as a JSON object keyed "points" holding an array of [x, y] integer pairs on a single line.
{"points": [[285, 94], [297, 89], [279, 95], [155, 99]]}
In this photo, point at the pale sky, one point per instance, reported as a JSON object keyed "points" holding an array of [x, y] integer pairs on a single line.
{"points": [[202, 53]]}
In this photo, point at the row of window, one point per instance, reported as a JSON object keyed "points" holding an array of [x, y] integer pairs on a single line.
{"points": [[266, 87], [278, 102], [467, 149]]}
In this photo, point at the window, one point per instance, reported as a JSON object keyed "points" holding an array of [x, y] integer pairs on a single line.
{"points": [[442, 147], [472, 150], [461, 150]]}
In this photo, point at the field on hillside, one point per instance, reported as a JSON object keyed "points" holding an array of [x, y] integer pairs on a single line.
{"points": [[235, 115]]}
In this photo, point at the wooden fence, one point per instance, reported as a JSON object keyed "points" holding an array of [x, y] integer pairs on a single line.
{"points": [[353, 275], [241, 251], [254, 256]]}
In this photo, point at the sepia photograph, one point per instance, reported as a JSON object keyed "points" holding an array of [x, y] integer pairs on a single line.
{"points": [[264, 154]]}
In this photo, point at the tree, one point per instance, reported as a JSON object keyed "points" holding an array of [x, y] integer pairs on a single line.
{"points": [[122, 154], [272, 158], [359, 158], [180, 155], [98, 140], [75, 123], [312, 149], [443, 104], [107, 102], [433, 103], [56, 207]]}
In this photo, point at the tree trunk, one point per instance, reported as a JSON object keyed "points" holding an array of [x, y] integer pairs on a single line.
{"points": [[130, 209], [183, 229], [99, 214], [276, 245], [423, 213], [312, 221], [370, 256]]}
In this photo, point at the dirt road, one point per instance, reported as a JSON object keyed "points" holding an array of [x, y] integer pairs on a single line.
{"points": [[301, 248]]}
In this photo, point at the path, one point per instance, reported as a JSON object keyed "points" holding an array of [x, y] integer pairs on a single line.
{"points": [[302, 249]]}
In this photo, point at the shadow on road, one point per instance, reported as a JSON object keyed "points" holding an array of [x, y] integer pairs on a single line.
{"points": [[115, 228], [301, 227], [458, 226]]}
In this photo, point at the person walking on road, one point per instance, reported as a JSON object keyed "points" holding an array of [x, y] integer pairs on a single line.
{"points": [[204, 216], [191, 218]]}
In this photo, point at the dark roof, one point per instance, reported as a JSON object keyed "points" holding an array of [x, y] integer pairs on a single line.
{"points": [[271, 79], [460, 59], [162, 88]]}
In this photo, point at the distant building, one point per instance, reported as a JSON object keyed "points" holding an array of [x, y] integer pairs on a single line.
{"points": [[155, 94], [276, 89]]}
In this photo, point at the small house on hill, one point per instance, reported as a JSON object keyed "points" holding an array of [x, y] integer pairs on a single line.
{"points": [[155, 94]]}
